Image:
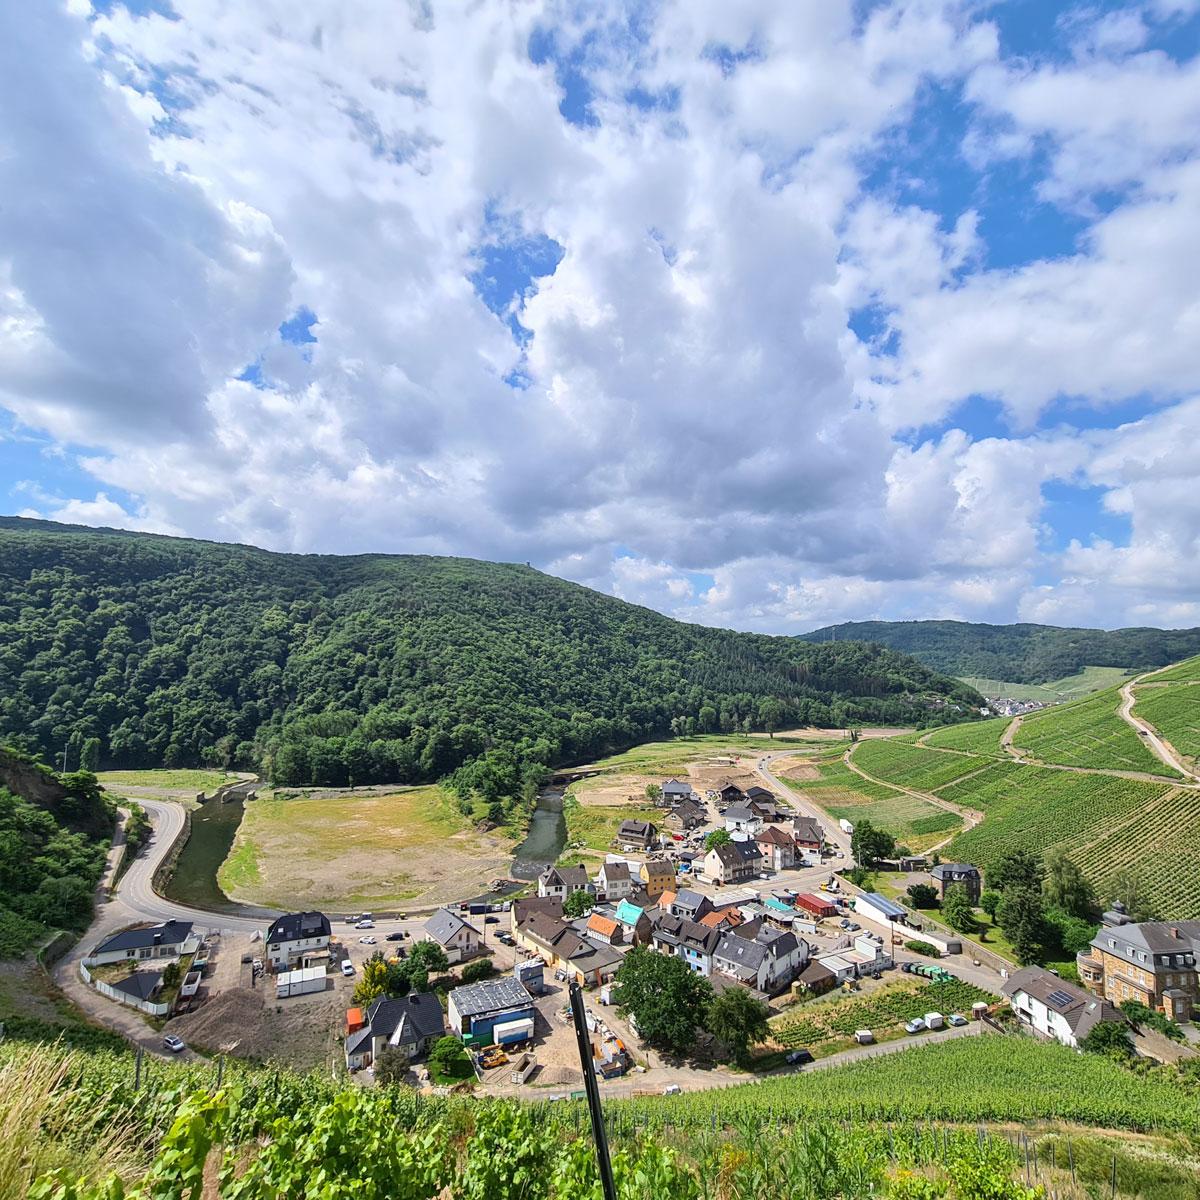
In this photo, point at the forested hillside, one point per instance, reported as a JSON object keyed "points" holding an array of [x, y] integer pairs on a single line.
{"points": [[136, 650], [1019, 653], [54, 831]]}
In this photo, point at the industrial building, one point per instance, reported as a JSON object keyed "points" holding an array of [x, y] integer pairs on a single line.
{"points": [[496, 1010]]}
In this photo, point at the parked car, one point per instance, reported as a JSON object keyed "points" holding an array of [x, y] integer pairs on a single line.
{"points": [[491, 920], [174, 1044], [347, 968], [906, 967], [914, 1026], [799, 1056], [365, 923], [956, 1019], [398, 936], [368, 940], [853, 925]]}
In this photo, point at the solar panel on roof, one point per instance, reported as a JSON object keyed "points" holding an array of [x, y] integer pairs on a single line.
{"points": [[1059, 998]]}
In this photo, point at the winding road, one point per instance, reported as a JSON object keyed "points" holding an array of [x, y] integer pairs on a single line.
{"points": [[1163, 752]]}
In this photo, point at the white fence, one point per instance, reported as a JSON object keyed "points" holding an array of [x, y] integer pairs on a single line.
{"points": [[146, 1006]]}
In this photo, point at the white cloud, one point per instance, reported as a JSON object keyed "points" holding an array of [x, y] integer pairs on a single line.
{"points": [[694, 401]]}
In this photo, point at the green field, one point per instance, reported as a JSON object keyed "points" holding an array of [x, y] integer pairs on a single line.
{"points": [[1175, 713], [166, 780], [1187, 671], [915, 823], [914, 766], [979, 737], [1087, 733], [1090, 679]]}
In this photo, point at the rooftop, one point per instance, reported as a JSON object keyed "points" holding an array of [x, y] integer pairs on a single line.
{"points": [[490, 996]]}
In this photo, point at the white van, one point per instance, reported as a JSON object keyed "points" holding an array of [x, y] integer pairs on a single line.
{"points": [[934, 1020], [347, 968]]}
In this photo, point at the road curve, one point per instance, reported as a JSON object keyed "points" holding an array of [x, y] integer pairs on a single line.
{"points": [[1149, 734]]}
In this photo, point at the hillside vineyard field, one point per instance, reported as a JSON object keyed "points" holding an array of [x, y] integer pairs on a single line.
{"points": [[162, 652], [1087, 733], [980, 737], [1170, 702]]}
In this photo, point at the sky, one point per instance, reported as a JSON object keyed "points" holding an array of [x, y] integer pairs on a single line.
{"points": [[765, 315]]}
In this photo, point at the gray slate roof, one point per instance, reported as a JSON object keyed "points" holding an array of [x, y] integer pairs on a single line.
{"points": [[954, 871], [420, 1012], [740, 812], [1081, 1010], [295, 927], [444, 924], [170, 933], [141, 985]]}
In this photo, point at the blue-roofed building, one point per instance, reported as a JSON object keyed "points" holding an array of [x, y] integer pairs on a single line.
{"points": [[637, 925], [879, 908]]}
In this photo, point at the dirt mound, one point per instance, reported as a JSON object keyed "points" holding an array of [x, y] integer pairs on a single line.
{"points": [[560, 1075]]}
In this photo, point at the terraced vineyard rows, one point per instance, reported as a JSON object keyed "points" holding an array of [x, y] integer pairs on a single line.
{"points": [[914, 766], [1184, 671], [1163, 844], [980, 737], [1087, 733], [841, 793], [1175, 713], [818, 1022]]}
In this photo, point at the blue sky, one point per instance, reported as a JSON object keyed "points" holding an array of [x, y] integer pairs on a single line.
{"points": [[764, 316]]}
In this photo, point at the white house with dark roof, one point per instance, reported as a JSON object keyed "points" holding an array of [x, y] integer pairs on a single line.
{"points": [[615, 881], [296, 936], [768, 962], [411, 1023], [457, 937], [171, 939], [733, 862], [1054, 1008], [562, 881], [676, 791], [741, 819], [637, 835]]}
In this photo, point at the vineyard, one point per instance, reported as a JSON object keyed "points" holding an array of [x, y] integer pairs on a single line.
{"points": [[90, 1127], [980, 737], [1183, 672], [842, 793], [821, 1021], [1087, 733], [913, 766], [1175, 714]]}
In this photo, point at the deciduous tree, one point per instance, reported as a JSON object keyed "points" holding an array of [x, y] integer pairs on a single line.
{"points": [[578, 902], [738, 1020], [668, 1001]]}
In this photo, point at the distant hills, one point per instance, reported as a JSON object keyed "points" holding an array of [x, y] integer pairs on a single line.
{"points": [[1020, 653], [131, 649]]}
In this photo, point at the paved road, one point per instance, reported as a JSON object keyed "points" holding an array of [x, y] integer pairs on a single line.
{"points": [[1147, 731]]}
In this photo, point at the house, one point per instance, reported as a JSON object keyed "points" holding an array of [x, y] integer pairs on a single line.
{"points": [[562, 881], [739, 818], [614, 881], [459, 939], [676, 791], [604, 929], [1055, 1008], [526, 906], [689, 814], [688, 940], [637, 835], [729, 793], [590, 962], [816, 978], [869, 955], [412, 1024], [912, 862], [840, 966], [808, 834], [760, 795], [723, 919], [140, 986], [948, 874], [690, 905], [484, 1010], [658, 875], [635, 923], [768, 962], [1154, 962], [734, 862], [778, 849], [171, 939], [733, 897], [295, 937]]}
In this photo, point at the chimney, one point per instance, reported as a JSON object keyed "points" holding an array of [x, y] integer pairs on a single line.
{"points": [[1176, 934]]}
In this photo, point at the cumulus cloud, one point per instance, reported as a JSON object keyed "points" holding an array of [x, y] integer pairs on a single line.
{"points": [[675, 394]]}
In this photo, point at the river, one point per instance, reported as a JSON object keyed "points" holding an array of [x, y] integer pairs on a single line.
{"points": [[194, 880], [546, 837]]}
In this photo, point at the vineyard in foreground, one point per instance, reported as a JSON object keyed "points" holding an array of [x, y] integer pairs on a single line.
{"points": [[77, 1124]]}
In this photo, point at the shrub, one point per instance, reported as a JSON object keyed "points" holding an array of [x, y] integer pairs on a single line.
{"points": [[481, 968], [919, 947]]}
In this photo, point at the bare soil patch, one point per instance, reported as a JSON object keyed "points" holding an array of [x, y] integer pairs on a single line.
{"points": [[705, 776]]}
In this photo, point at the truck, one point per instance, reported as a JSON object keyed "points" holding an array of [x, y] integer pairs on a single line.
{"points": [[933, 1020], [847, 827]]}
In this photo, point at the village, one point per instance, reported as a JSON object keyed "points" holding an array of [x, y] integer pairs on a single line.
{"points": [[736, 883]]}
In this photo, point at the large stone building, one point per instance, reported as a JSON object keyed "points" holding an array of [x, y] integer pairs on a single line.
{"points": [[1153, 962]]}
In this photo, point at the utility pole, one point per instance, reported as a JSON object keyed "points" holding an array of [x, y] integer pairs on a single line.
{"points": [[592, 1090]]}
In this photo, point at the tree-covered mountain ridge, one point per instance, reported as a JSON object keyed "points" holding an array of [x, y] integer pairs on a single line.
{"points": [[1019, 653], [132, 649]]}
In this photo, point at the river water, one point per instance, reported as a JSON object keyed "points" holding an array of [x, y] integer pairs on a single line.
{"points": [[546, 837]]}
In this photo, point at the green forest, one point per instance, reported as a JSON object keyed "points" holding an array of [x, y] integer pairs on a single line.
{"points": [[122, 649], [1019, 653], [54, 832]]}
